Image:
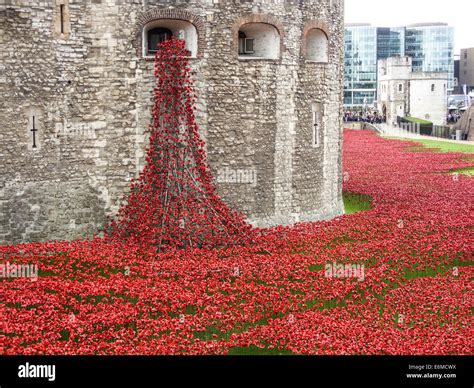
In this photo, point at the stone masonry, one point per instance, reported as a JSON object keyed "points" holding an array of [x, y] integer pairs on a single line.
{"points": [[76, 91]]}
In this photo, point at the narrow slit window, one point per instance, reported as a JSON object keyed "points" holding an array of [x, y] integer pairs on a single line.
{"points": [[315, 129], [33, 131], [61, 17], [62, 26], [317, 111]]}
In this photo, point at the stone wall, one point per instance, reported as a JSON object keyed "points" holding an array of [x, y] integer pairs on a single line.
{"points": [[466, 124], [403, 92], [394, 87], [466, 68], [429, 97], [77, 67]]}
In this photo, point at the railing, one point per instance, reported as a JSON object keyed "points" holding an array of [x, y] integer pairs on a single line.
{"points": [[401, 129], [411, 129], [408, 128], [363, 125], [443, 131]]}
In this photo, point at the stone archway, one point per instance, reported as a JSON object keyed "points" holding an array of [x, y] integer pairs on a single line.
{"points": [[175, 14]]}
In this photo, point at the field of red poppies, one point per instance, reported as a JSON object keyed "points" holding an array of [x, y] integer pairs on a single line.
{"points": [[414, 249]]}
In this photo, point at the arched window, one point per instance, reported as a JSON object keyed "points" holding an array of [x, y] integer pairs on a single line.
{"points": [[317, 47], [160, 30], [259, 40], [156, 36]]}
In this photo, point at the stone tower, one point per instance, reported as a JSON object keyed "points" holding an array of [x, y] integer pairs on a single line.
{"points": [[403, 92], [76, 80]]}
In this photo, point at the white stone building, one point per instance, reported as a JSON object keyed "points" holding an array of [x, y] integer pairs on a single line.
{"points": [[403, 93]]}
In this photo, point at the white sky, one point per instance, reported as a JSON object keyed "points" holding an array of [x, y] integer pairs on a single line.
{"points": [[387, 13]]}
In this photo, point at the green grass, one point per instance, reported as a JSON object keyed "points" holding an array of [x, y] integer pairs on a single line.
{"points": [[316, 267], [465, 171], [430, 272], [440, 145], [355, 203], [417, 120]]}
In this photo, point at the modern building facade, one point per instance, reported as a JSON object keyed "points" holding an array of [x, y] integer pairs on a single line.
{"points": [[404, 92], [466, 70], [390, 42], [360, 61], [430, 46], [457, 66]]}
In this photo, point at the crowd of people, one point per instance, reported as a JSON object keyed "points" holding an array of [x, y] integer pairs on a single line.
{"points": [[366, 117], [453, 117], [373, 117]]}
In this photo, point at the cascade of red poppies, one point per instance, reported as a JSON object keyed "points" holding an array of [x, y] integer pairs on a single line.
{"points": [[174, 203]]}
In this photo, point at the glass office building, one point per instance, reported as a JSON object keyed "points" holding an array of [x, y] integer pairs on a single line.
{"points": [[360, 60], [390, 42], [430, 46]]}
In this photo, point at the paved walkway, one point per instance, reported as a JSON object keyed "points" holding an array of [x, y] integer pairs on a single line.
{"points": [[414, 136], [396, 132]]}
